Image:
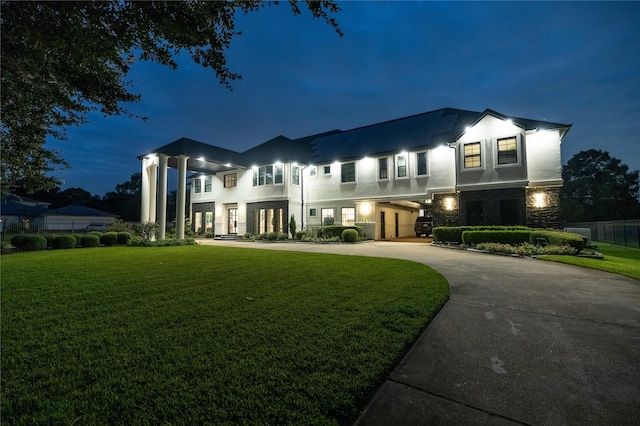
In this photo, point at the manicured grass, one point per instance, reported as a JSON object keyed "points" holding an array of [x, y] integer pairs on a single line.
{"points": [[617, 259], [204, 335]]}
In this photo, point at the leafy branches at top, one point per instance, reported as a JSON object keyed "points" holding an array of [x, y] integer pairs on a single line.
{"points": [[61, 60]]}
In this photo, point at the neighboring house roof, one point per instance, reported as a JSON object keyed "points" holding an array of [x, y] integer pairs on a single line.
{"points": [[81, 211], [426, 130], [12, 207]]}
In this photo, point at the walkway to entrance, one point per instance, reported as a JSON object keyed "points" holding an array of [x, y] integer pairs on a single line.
{"points": [[520, 341]]}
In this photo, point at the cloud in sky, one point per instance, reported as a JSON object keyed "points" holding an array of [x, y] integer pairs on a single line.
{"points": [[576, 63]]}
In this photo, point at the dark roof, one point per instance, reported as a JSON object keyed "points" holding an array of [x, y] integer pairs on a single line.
{"points": [[203, 157], [417, 131], [12, 206], [426, 130], [80, 211]]}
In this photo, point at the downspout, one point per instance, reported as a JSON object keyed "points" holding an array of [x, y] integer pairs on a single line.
{"points": [[302, 212]]}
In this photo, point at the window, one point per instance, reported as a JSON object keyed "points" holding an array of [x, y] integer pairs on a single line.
{"points": [[348, 216], [268, 220], [383, 168], [507, 150], [421, 160], [313, 171], [208, 221], [231, 180], [327, 170], [295, 175], [313, 212], [267, 175], [197, 185], [401, 164], [207, 184], [278, 168], [198, 222], [348, 172], [326, 216], [472, 155]]}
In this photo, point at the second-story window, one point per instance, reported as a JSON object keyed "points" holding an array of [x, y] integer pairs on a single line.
{"points": [[383, 168], [421, 160], [401, 165], [295, 175], [348, 172], [207, 184], [472, 155], [197, 185], [231, 180], [508, 150], [267, 175]]}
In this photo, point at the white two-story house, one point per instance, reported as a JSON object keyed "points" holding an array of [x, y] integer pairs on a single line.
{"points": [[459, 167]]}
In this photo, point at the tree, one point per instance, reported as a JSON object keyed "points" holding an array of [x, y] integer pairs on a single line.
{"points": [[125, 200], [598, 187], [61, 60]]}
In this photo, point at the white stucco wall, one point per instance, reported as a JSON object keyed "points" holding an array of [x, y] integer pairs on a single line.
{"points": [[492, 175], [544, 160]]}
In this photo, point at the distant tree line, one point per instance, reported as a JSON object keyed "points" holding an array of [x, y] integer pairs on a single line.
{"points": [[599, 187], [124, 201]]}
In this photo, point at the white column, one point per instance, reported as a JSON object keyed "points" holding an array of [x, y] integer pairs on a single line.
{"points": [[144, 203], [153, 193], [162, 196], [181, 199]]}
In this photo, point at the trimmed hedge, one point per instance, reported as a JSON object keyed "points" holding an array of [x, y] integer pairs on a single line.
{"points": [[17, 241], [511, 237], [453, 234], [349, 235], [50, 239], [332, 231], [109, 238], [64, 242], [34, 243], [124, 237], [559, 238], [96, 233], [90, 240]]}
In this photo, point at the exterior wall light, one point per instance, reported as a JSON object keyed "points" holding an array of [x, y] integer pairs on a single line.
{"points": [[448, 203], [539, 200]]}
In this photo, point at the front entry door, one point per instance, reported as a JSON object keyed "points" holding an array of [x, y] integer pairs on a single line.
{"points": [[382, 226], [232, 223]]}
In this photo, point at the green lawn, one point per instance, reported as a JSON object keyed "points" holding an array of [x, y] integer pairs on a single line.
{"points": [[617, 259], [201, 334]]}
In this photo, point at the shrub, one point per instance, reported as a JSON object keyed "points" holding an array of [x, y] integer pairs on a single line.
{"points": [[503, 236], [64, 242], [109, 238], [17, 241], [148, 230], [139, 242], [282, 236], [120, 225], [300, 235], [96, 233], [453, 234], [332, 231], [559, 238], [50, 239], [34, 242], [349, 235], [123, 237], [248, 236], [292, 226], [78, 238], [88, 240]]}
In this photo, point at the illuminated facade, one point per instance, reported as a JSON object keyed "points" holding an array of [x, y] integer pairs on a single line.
{"points": [[460, 167]]}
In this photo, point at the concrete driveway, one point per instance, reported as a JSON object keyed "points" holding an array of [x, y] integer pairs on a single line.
{"points": [[521, 341]]}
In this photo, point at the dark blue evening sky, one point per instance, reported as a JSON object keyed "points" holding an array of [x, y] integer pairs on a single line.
{"points": [[567, 62]]}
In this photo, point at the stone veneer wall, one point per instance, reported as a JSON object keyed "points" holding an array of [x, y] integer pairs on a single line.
{"points": [[442, 216], [547, 216], [203, 208], [252, 207], [491, 204]]}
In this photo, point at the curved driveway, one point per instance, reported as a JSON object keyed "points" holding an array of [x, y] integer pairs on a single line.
{"points": [[520, 341]]}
